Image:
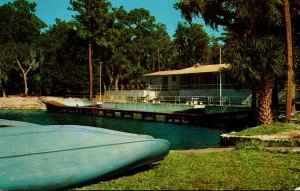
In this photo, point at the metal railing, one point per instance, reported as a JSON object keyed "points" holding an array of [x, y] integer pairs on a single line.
{"points": [[206, 100]]}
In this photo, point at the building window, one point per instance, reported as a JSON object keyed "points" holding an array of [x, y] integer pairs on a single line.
{"points": [[173, 78]]}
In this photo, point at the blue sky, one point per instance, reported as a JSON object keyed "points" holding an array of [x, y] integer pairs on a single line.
{"points": [[162, 10]]}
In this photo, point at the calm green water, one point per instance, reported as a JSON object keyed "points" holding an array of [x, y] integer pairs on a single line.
{"points": [[180, 136]]}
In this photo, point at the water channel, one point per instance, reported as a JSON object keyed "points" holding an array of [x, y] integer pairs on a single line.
{"points": [[180, 136]]}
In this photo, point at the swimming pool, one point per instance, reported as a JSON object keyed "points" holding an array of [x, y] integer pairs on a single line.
{"points": [[180, 136]]}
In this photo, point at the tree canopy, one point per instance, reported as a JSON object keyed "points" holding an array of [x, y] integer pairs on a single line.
{"points": [[19, 27], [192, 44], [18, 23]]}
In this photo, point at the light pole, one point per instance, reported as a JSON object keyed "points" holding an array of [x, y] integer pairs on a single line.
{"points": [[220, 75]]}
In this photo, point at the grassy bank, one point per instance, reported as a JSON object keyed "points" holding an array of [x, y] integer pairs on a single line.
{"points": [[240, 169], [268, 129]]}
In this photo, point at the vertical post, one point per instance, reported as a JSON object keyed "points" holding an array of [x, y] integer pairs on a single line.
{"points": [[220, 76]]}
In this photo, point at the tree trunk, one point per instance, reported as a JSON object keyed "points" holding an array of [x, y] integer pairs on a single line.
{"points": [[265, 87], [117, 82], [289, 60], [3, 90], [24, 74], [110, 76], [90, 72], [25, 84]]}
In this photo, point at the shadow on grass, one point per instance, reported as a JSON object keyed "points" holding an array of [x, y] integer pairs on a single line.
{"points": [[139, 169]]}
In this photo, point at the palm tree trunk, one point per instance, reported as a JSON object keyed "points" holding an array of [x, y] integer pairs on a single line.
{"points": [[265, 115], [289, 60], [275, 99]]}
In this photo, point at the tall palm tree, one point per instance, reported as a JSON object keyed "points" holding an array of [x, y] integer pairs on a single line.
{"points": [[239, 17], [289, 45], [258, 65]]}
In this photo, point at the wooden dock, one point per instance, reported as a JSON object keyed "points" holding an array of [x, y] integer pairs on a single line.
{"points": [[228, 118]]}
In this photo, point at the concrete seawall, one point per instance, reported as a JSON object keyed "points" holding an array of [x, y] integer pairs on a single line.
{"points": [[291, 138]]}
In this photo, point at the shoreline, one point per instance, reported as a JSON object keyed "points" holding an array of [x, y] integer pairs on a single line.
{"points": [[22, 103], [29, 102]]}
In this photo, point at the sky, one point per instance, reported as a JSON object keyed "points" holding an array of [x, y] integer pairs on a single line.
{"points": [[163, 11]]}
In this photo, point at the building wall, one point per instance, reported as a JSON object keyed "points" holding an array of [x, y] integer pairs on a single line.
{"points": [[173, 82]]}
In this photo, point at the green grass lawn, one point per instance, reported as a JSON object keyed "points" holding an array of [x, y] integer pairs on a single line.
{"points": [[235, 170], [268, 129]]}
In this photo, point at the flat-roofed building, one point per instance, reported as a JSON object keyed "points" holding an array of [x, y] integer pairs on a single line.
{"points": [[200, 82]]}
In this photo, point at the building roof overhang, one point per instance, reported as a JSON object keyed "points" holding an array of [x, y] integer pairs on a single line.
{"points": [[211, 68]]}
